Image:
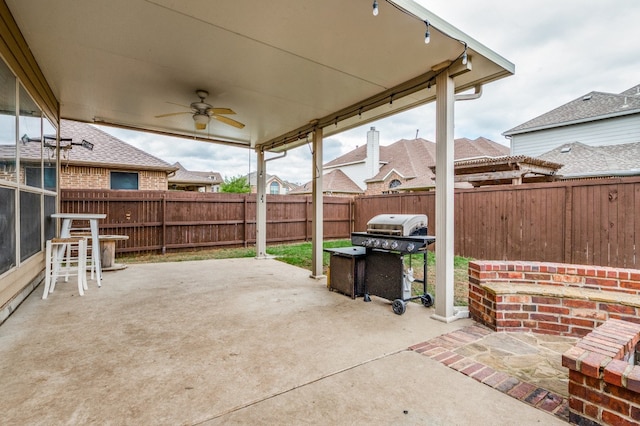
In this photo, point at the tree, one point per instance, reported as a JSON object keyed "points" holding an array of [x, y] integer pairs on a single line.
{"points": [[236, 184]]}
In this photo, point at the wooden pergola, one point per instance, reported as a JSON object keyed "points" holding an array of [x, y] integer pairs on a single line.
{"points": [[505, 170]]}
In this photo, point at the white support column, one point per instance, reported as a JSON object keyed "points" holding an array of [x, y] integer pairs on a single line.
{"points": [[261, 206], [445, 98], [317, 224]]}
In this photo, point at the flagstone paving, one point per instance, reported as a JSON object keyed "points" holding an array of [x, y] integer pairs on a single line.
{"points": [[526, 366]]}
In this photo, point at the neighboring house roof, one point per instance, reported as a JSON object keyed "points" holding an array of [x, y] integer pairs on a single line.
{"points": [[251, 177], [580, 160], [183, 175], [413, 158], [407, 158], [333, 182], [107, 151], [590, 107]]}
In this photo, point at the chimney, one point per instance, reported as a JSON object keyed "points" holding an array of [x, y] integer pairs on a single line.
{"points": [[372, 162]]}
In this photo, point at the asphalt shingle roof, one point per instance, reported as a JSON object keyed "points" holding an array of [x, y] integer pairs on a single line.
{"points": [[592, 106], [107, 150], [334, 181], [183, 175], [412, 158], [580, 159]]}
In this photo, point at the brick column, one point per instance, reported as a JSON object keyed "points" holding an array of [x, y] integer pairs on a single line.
{"points": [[604, 387]]}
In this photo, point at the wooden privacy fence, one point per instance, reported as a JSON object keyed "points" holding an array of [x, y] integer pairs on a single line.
{"points": [[170, 220], [592, 222]]}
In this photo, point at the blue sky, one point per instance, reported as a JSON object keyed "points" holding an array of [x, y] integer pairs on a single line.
{"points": [[561, 49]]}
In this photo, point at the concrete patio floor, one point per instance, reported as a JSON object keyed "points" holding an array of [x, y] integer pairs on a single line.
{"points": [[239, 341]]}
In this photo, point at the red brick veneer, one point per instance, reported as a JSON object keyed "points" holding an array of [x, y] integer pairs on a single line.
{"points": [[604, 388], [551, 298]]}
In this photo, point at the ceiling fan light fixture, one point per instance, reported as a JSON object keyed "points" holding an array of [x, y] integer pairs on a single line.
{"points": [[201, 121]]}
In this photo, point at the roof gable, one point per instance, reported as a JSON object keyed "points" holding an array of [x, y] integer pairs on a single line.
{"points": [[335, 181], [357, 155]]}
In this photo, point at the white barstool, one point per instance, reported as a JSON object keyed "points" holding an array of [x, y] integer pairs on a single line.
{"points": [[57, 264], [91, 265]]}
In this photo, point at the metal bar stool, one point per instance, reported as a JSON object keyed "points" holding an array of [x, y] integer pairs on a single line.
{"points": [[57, 264]]}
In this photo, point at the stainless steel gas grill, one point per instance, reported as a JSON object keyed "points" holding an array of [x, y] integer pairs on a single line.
{"points": [[388, 239]]}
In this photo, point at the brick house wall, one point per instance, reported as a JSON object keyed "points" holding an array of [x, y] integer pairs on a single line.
{"points": [[74, 177], [382, 187]]}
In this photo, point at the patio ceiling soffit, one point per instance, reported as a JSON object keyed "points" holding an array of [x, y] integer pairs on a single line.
{"points": [[274, 63]]}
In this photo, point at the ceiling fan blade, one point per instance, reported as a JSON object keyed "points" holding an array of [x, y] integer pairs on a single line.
{"points": [[229, 121], [216, 111], [173, 113]]}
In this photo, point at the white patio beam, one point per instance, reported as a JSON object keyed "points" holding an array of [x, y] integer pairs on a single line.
{"points": [[317, 195]]}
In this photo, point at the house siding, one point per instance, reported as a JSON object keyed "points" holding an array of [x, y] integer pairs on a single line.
{"points": [[612, 131], [356, 172]]}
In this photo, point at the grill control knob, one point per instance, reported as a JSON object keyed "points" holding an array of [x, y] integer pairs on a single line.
{"points": [[410, 247], [376, 243], [385, 244], [394, 245]]}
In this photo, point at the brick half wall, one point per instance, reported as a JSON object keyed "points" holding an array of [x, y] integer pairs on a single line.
{"points": [[551, 298]]}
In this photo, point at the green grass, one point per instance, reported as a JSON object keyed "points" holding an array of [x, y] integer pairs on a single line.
{"points": [[226, 253], [299, 254]]}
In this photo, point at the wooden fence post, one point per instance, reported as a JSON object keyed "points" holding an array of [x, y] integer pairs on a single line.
{"points": [[164, 223]]}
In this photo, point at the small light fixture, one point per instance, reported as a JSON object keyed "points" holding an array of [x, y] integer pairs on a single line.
{"points": [[464, 55], [375, 7], [87, 145], [201, 121], [427, 34]]}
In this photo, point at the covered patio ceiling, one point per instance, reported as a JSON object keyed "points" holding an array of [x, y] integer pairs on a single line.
{"points": [[284, 66]]}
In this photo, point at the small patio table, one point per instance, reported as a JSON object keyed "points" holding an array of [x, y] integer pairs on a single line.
{"points": [[65, 232]]}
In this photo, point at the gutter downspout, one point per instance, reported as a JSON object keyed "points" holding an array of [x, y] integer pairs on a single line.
{"points": [[470, 96], [284, 154]]}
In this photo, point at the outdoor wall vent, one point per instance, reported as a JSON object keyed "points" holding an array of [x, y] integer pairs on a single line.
{"points": [[586, 98], [565, 149]]}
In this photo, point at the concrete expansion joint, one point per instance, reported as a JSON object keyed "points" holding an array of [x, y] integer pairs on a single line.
{"points": [[295, 387]]}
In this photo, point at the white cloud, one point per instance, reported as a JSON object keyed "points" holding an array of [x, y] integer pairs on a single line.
{"points": [[561, 49]]}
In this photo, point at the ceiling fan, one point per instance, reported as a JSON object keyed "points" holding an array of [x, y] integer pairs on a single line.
{"points": [[202, 112]]}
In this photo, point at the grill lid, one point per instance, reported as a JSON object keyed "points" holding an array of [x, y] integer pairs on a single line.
{"points": [[403, 225]]}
